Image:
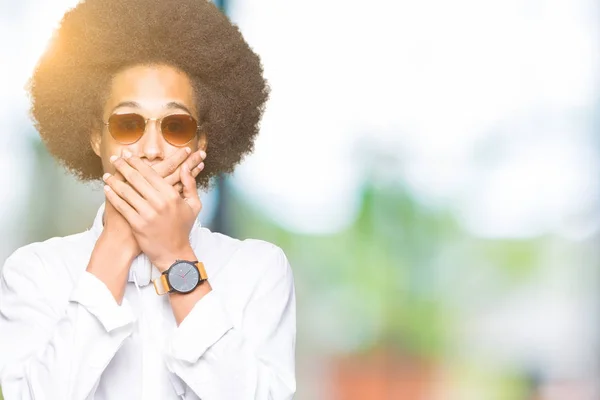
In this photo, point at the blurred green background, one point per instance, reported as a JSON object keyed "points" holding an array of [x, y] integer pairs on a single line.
{"points": [[431, 171]]}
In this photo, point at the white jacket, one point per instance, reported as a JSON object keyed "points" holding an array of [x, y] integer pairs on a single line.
{"points": [[63, 336]]}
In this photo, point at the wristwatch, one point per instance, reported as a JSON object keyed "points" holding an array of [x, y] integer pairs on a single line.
{"points": [[182, 277]]}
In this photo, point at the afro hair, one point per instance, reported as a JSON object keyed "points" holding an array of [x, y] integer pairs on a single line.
{"points": [[98, 38]]}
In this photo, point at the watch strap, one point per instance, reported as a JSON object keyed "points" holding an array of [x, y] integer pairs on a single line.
{"points": [[202, 270], [161, 285]]}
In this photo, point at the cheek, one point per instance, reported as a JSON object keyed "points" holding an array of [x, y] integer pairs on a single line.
{"points": [[108, 149], [170, 149]]}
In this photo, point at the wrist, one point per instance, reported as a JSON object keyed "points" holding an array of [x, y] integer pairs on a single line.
{"points": [[164, 261], [110, 265], [117, 248]]}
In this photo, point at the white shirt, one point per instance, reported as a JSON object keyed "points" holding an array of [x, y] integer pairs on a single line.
{"points": [[63, 336]]}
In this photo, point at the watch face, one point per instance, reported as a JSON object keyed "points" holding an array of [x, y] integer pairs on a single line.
{"points": [[183, 277]]}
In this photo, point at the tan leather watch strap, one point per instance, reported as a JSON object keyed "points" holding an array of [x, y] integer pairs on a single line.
{"points": [[161, 284], [203, 275]]}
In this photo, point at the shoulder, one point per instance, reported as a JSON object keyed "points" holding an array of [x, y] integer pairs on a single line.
{"points": [[248, 256], [269, 259], [45, 259]]}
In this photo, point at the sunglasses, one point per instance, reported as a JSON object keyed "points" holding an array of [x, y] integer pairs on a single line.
{"points": [[177, 129]]}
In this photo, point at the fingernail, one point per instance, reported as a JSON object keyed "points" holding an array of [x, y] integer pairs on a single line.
{"points": [[126, 154], [105, 176], [188, 150], [107, 188], [201, 166], [113, 158], [203, 154]]}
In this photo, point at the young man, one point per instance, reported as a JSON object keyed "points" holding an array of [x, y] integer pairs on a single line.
{"points": [[147, 304]]}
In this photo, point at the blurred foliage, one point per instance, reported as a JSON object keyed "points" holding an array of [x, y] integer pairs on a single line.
{"points": [[391, 275], [511, 256]]}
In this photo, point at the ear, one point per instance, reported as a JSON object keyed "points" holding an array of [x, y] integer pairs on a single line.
{"points": [[203, 141], [95, 141]]}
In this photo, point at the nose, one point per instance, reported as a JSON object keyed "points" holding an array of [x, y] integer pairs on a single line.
{"points": [[152, 143]]}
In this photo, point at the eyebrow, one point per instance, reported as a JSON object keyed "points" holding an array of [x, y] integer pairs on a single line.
{"points": [[173, 105]]}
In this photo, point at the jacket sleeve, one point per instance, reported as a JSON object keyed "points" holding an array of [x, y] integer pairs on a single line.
{"points": [[51, 352], [217, 360]]}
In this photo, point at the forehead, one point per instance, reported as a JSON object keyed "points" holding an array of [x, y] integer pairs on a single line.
{"points": [[151, 86]]}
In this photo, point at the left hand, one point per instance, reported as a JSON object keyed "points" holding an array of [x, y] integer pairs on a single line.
{"points": [[161, 219]]}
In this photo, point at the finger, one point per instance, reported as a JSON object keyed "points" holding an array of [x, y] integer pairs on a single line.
{"points": [[193, 161], [196, 159], [196, 171], [122, 206], [133, 176], [149, 175], [118, 176], [190, 192], [127, 193], [169, 165]]}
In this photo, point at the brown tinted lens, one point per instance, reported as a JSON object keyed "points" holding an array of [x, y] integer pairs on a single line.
{"points": [[179, 129], [126, 128]]}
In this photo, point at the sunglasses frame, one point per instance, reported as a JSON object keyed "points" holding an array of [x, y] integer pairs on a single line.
{"points": [[159, 121]]}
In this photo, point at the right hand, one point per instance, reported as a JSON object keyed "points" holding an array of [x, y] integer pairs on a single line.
{"points": [[116, 227]]}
